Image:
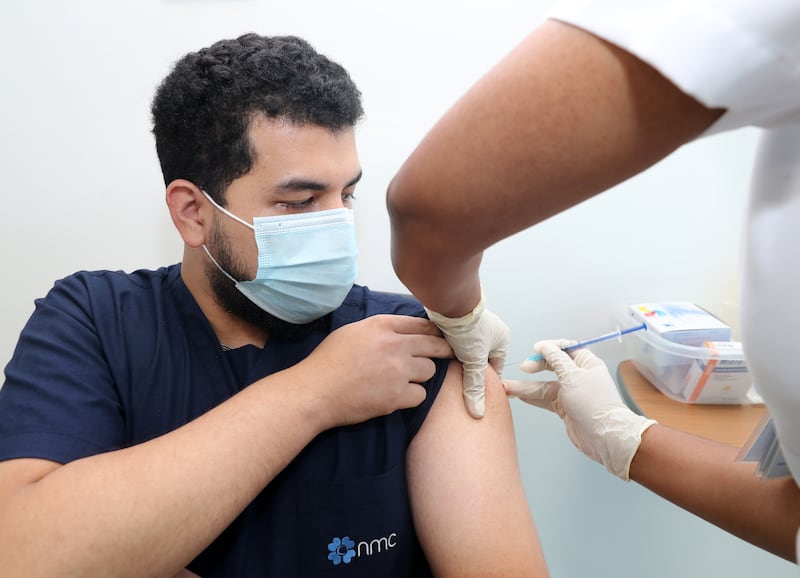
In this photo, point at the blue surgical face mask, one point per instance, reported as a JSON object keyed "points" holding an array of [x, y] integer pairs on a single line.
{"points": [[306, 263]]}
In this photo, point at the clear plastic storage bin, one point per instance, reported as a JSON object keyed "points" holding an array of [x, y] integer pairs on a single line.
{"points": [[714, 373]]}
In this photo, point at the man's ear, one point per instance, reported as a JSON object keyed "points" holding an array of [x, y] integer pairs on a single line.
{"points": [[189, 211]]}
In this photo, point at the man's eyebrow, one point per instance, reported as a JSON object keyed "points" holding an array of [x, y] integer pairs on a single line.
{"points": [[300, 184]]}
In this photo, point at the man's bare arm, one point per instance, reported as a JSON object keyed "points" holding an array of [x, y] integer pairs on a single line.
{"points": [[466, 490], [563, 117], [704, 478]]}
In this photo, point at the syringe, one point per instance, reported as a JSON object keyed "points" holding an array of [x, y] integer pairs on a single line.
{"points": [[618, 334]]}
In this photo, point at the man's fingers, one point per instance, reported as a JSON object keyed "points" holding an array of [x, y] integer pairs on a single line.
{"points": [[430, 346], [421, 369], [419, 337], [412, 325], [413, 396]]}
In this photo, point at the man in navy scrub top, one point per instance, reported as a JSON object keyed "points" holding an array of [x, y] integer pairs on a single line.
{"points": [[251, 411]]}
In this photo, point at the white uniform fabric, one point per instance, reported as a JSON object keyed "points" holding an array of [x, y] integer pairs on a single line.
{"points": [[743, 56]]}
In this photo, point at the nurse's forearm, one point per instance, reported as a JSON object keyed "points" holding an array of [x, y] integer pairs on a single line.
{"points": [[563, 117], [148, 510], [703, 477]]}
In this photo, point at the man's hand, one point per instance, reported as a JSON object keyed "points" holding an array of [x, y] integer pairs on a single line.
{"points": [[478, 339], [373, 367], [586, 398]]}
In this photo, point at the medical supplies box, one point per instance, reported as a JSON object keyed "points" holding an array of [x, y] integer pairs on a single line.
{"points": [[686, 353], [722, 378], [681, 322]]}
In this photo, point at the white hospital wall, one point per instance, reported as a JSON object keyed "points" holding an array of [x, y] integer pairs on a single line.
{"points": [[82, 190]]}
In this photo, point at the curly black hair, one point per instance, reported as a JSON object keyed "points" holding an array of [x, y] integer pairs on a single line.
{"points": [[202, 110]]}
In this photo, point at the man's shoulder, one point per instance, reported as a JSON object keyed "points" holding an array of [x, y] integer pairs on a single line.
{"points": [[119, 278], [364, 302], [107, 282], [94, 294]]}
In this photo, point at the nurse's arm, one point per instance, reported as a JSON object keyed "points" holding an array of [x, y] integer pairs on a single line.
{"points": [[469, 505], [704, 478], [563, 117]]}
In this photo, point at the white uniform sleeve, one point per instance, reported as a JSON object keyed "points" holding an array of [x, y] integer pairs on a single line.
{"points": [[742, 55]]}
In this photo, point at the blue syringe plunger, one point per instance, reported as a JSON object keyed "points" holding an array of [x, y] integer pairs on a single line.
{"points": [[605, 337]]}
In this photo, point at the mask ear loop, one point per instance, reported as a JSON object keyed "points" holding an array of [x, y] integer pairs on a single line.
{"points": [[235, 218], [227, 212], [224, 272]]}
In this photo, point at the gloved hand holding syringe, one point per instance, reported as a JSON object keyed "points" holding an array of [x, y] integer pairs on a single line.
{"points": [[585, 396]]}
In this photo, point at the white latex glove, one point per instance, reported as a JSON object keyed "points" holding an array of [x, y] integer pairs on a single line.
{"points": [[478, 339], [586, 397]]}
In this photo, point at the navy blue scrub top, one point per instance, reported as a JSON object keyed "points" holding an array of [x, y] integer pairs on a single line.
{"points": [[111, 359]]}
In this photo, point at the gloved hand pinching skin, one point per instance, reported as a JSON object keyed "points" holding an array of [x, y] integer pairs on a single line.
{"points": [[478, 339], [585, 396]]}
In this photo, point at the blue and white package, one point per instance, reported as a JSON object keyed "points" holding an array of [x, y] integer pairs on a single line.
{"points": [[681, 322]]}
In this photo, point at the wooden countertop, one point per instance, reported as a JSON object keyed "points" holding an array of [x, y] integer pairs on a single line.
{"points": [[729, 424]]}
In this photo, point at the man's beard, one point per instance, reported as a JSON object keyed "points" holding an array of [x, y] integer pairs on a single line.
{"points": [[236, 303]]}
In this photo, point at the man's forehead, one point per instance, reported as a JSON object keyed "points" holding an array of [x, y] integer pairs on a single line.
{"points": [[286, 142]]}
